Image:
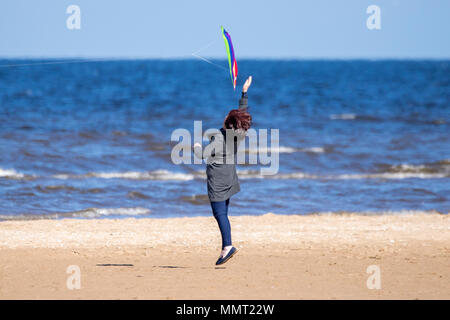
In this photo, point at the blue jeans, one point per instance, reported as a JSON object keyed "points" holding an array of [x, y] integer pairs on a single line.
{"points": [[220, 211]]}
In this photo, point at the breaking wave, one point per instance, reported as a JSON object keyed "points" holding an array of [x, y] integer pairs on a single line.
{"points": [[86, 213], [134, 175], [93, 213], [282, 149], [343, 116], [353, 116], [439, 167], [435, 170], [12, 174]]}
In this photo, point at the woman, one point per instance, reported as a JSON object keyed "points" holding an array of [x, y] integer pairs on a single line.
{"points": [[221, 174]]}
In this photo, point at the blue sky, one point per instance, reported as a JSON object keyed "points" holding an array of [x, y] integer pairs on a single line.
{"points": [[259, 29]]}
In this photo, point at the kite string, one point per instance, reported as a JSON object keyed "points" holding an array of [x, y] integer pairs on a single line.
{"points": [[54, 62], [207, 46], [210, 62], [104, 60], [195, 54]]}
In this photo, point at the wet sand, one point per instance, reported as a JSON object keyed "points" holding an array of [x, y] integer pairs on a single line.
{"points": [[280, 257]]}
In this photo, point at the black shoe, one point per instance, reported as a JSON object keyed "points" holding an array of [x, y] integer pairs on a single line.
{"points": [[227, 257]]}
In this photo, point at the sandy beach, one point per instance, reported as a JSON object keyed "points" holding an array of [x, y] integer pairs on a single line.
{"points": [[280, 257]]}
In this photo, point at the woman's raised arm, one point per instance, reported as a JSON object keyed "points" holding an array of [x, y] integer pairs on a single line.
{"points": [[243, 102]]}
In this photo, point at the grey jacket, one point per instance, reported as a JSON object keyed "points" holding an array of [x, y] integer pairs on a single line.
{"points": [[222, 179]]}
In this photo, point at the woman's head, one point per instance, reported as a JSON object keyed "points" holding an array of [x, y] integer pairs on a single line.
{"points": [[238, 119]]}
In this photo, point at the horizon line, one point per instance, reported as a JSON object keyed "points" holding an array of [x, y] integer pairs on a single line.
{"points": [[303, 58]]}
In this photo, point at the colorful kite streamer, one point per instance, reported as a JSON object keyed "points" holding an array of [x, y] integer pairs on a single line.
{"points": [[231, 58]]}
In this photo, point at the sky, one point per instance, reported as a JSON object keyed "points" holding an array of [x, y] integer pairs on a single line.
{"points": [[315, 29]]}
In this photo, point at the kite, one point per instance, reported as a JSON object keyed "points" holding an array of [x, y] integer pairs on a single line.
{"points": [[231, 58]]}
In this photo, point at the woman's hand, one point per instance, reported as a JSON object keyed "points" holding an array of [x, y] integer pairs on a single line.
{"points": [[247, 84]]}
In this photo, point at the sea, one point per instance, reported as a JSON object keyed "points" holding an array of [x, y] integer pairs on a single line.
{"points": [[92, 138]]}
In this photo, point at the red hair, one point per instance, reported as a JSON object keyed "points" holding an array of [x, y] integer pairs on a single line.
{"points": [[238, 119]]}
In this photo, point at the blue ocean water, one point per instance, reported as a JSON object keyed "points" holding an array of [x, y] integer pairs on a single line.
{"points": [[92, 139]]}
